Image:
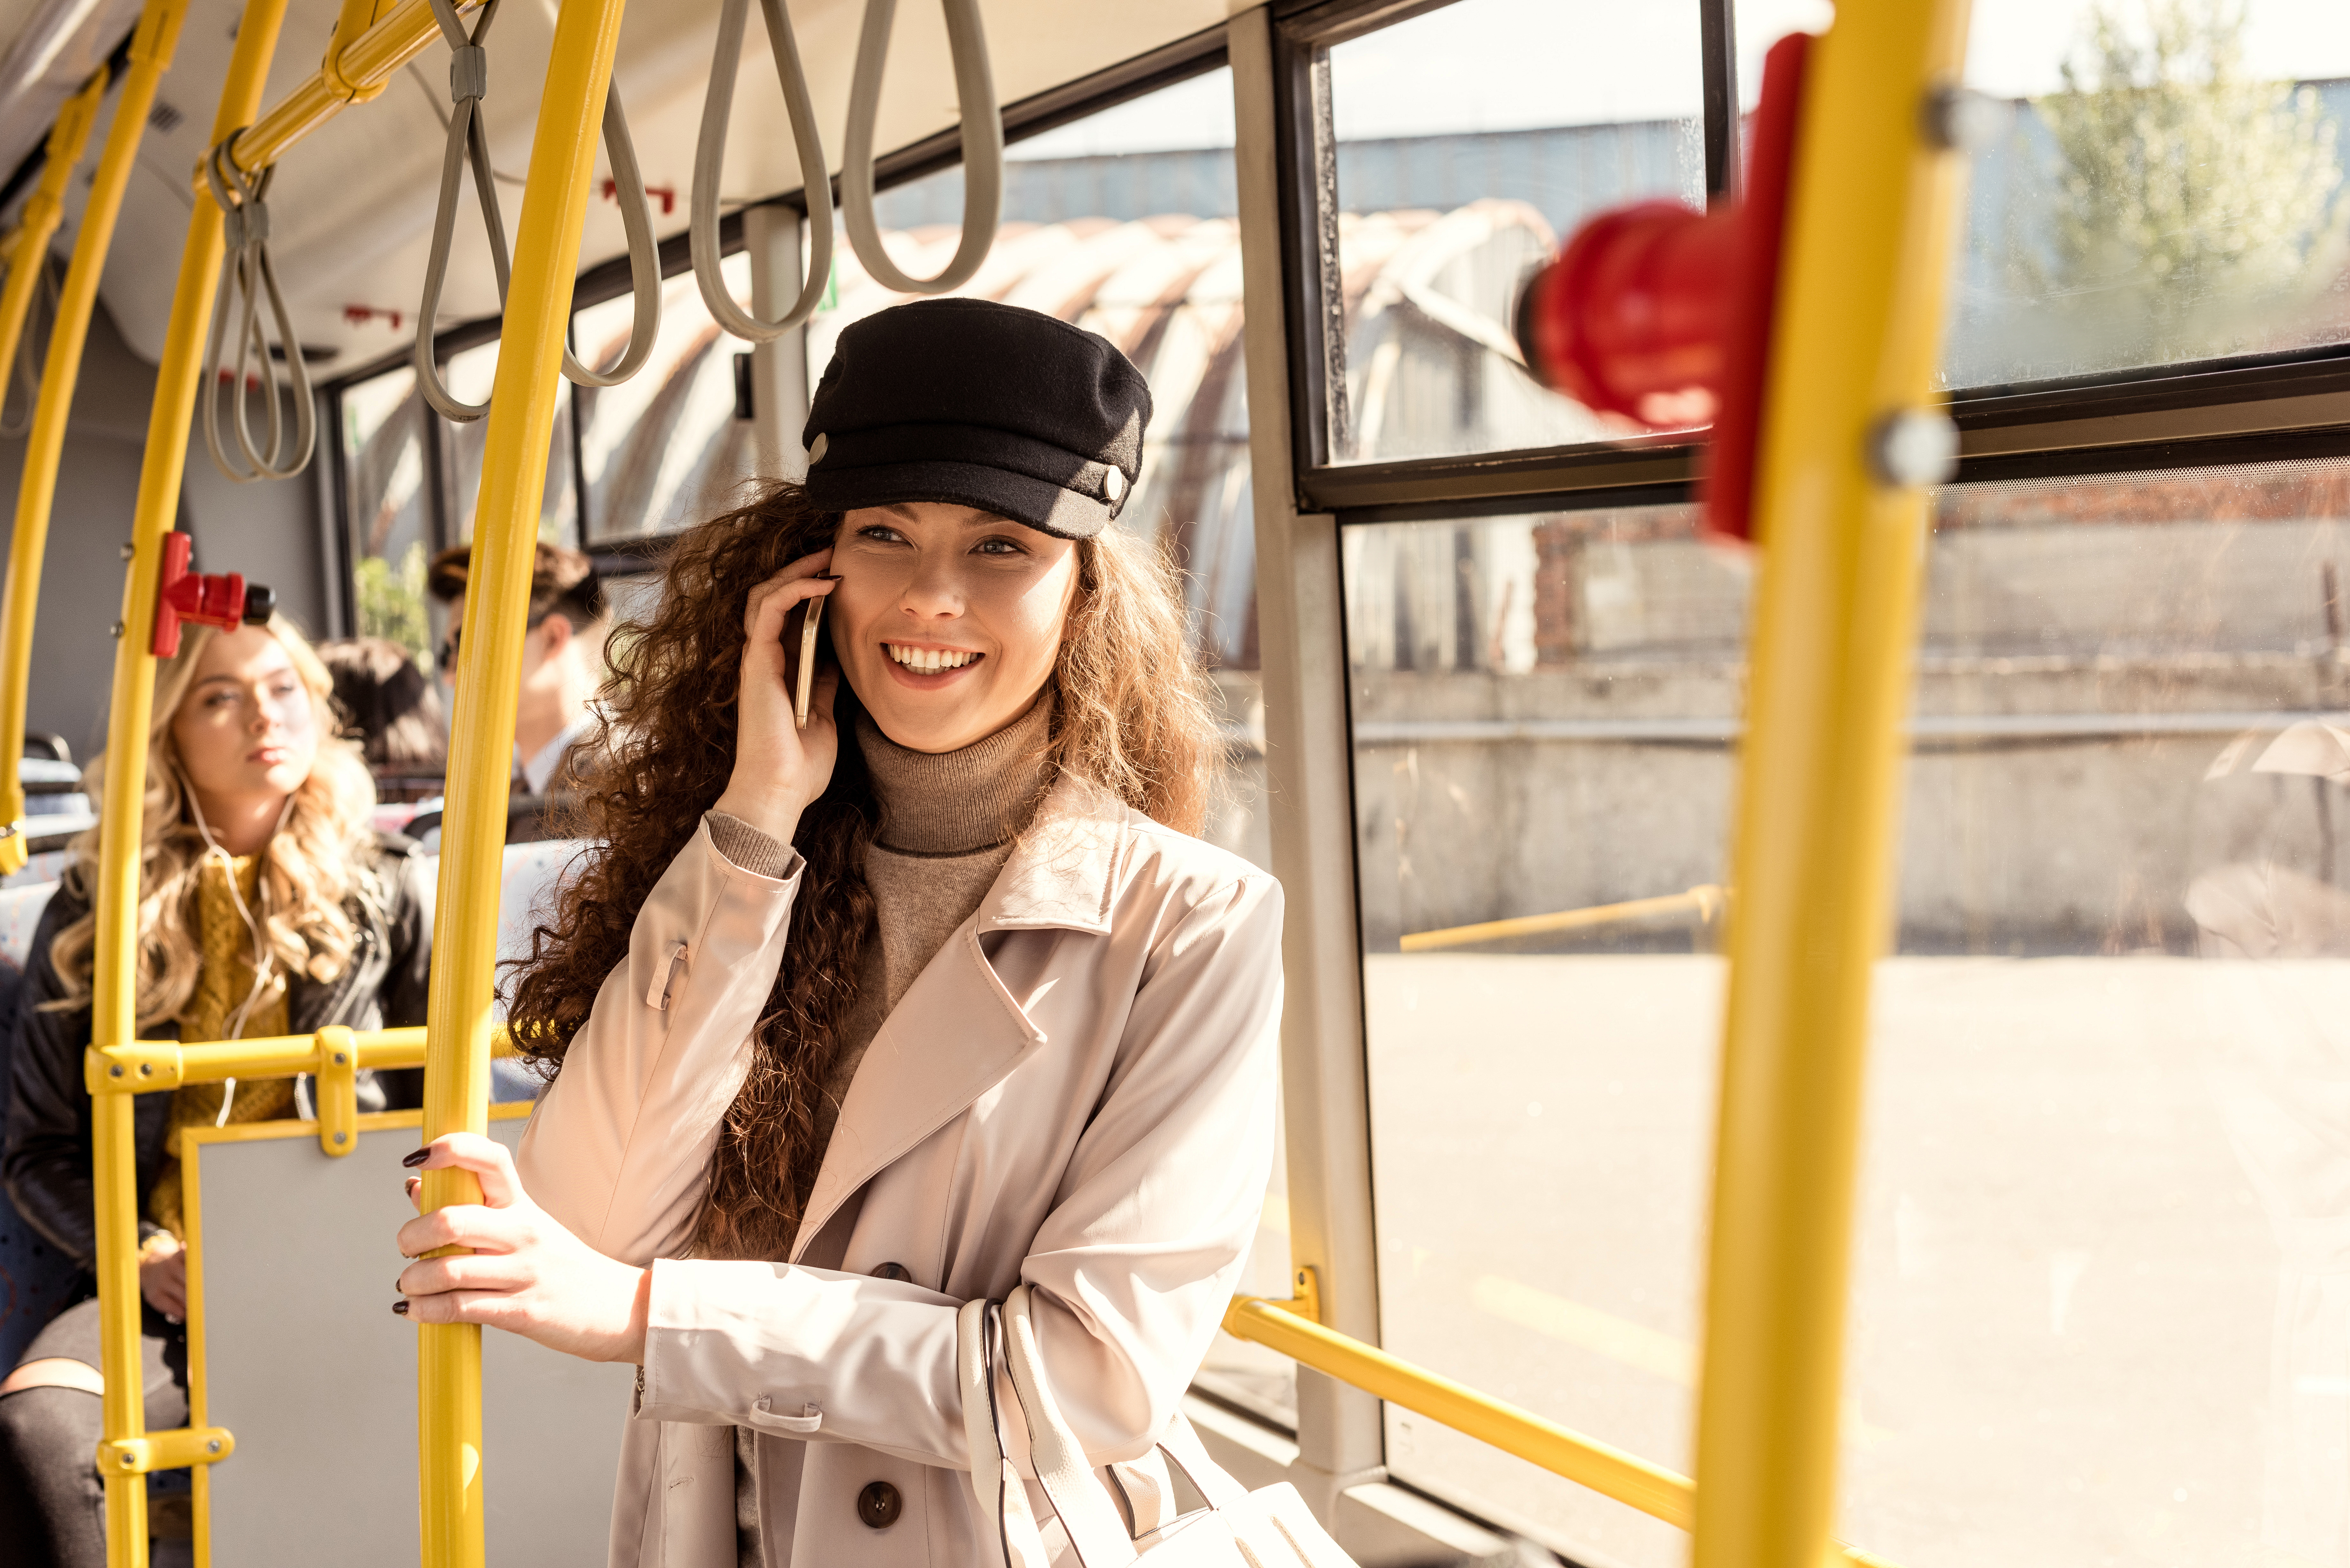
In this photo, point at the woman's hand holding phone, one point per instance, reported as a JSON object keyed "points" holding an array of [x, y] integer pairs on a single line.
{"points": [[780, 768]]}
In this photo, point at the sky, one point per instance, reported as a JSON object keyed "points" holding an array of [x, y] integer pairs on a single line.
{"points": [[1508, 65]]}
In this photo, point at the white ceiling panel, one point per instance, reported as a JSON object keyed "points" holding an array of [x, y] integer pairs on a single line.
{"points": [[352, 206]]}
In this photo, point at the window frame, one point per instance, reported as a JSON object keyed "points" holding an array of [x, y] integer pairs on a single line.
{"points": [[2246, 409]]}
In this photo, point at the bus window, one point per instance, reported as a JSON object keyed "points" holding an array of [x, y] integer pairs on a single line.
{"points": [[2098, 1315], [1460, 165], [665, 449], [2086, 252], [388, 508], [468, 374], [1544, 709]]}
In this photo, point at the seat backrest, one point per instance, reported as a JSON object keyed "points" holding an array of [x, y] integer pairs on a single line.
{"points": [[20, 914]]}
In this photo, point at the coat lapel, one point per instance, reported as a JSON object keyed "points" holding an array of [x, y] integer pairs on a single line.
{"points": [[958, 1030]]}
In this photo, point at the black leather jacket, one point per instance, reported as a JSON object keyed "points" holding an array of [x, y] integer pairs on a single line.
{"points": [[46, 1160]]}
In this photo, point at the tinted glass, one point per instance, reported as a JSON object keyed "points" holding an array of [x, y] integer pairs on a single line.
{"points": [[2171, 189], [1544, 709], [468, 375], [2099, 1313], [1469, 140], [383, 430], [668, 447]]}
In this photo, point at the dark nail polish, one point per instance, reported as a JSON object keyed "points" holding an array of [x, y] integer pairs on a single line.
{"points": [[400, 1307], [419, 1157]]}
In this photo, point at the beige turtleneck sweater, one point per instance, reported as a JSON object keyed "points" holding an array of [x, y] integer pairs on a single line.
{"points": [[949, 822]]}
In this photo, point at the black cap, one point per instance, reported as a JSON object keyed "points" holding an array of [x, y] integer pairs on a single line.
{"points": [[980, 404]]}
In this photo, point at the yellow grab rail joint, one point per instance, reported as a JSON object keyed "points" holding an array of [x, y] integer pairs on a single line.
{"points": [[351, 25], [337, 1075], [1306, 1304], [173, 1450], [141, 1067]]}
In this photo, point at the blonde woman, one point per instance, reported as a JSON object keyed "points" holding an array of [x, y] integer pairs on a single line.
{"points": [[267, 905]]}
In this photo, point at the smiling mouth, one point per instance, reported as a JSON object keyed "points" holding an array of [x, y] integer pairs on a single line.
{"points": [[930, 661]]}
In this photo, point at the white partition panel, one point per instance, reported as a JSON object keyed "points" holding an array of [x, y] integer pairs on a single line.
{"points": [[304, 1360]]}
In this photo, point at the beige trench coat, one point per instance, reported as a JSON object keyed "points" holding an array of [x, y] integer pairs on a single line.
{"points": [[1077, 1093]]}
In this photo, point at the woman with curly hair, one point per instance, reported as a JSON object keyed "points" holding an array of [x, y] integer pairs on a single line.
{"points": [[267, 905], [850, 1024]]}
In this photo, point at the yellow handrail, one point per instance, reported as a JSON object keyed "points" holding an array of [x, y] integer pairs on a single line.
{"points": [[1841, 519], [28, 254], [1705, 900], [114, 1012], [353, 71], [473, 825], [1289, 1329]]}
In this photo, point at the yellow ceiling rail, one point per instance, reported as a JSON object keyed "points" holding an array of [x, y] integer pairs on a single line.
{"points": [[28, 255], [1841, 518], [372, 39], [1706, 901], [114, 1012], [480, 749], [1289, 1328]]}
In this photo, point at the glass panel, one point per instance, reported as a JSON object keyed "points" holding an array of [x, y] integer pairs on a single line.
{"points": [[2171, 189], [2100, 1312], [1544, 711], [388, 508], [1123, 224], [1469, 139], [665, 449], [468, 375]]}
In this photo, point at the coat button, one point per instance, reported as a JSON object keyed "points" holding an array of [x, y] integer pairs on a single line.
{"points": [[877, 1505], [893, 1271]]}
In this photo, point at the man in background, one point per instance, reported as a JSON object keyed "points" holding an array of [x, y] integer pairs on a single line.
{"points": [[562, 662]]}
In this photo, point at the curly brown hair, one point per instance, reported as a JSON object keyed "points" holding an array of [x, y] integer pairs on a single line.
{"points": [[1132, 712]]}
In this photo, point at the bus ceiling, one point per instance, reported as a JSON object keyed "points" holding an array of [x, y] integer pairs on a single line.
{"points": [[352, 204]]}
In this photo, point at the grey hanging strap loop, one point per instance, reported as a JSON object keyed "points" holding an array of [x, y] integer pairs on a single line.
{"points": [[248, 273], [983, 148], [469, 143], [710, 157], [644, 253]]}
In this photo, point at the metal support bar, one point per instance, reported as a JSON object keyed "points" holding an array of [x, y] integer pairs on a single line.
{"points": [[28, 257], [1309, 790], [150, 1066], [1835, 631], [114, 1012], [357, 70], [474, 827], [1705, 901], [1288, 1328], [151, 46]]}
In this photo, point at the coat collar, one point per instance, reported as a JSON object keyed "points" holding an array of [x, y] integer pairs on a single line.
{"points": [[958, 1030]]}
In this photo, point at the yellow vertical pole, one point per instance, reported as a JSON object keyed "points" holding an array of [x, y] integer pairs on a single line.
{"points": [[114, 1012], [44, 210], [1857, 330], [481, 750]]}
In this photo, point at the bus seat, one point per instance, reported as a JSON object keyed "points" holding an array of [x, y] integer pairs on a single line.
{"points": [[37, 1281], [526, 896]]}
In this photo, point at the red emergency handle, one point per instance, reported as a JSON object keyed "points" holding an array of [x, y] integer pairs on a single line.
{"points": [[223, 600], [1663, 314]]}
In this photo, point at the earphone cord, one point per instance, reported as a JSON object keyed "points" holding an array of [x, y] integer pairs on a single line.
{"points": [[262, 956]]}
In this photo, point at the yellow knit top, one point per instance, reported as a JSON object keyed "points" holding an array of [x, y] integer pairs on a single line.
{"points": [[221, 985]]}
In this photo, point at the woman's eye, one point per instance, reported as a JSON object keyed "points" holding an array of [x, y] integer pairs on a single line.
{"points": [[881, 535], [997, 547]]}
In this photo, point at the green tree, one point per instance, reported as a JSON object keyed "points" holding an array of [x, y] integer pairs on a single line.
{"points": [[391, 602], [2199, 210]]}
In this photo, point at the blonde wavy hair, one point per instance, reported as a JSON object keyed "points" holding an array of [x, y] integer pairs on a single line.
{"points": [[309, 867]]}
